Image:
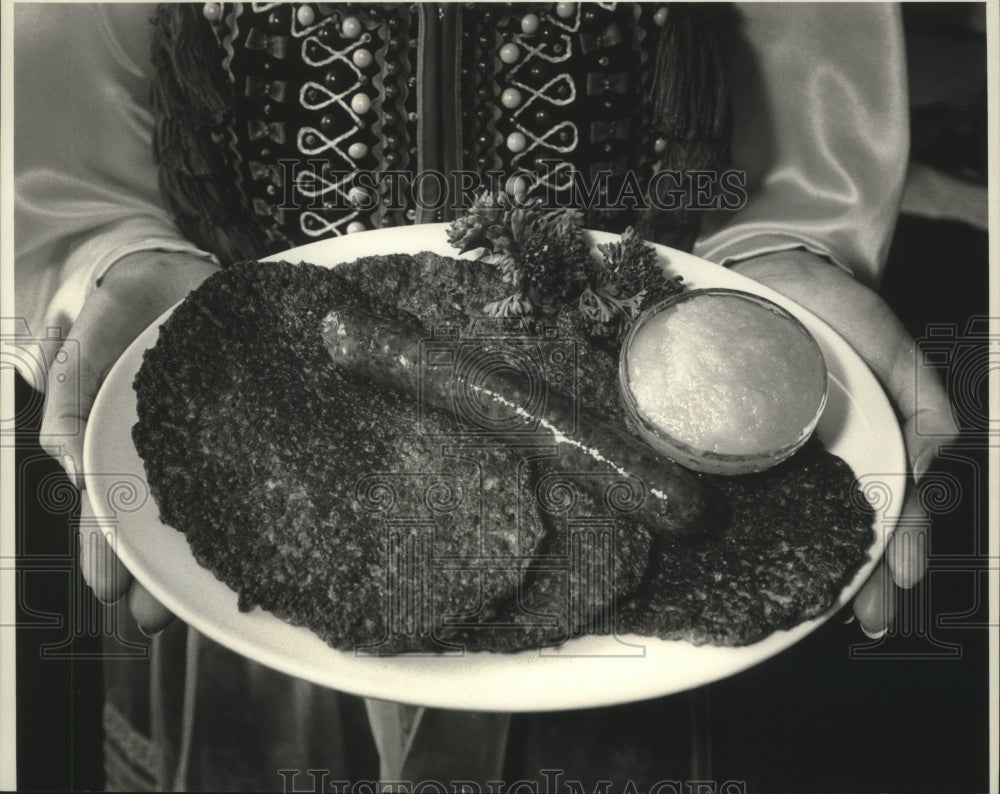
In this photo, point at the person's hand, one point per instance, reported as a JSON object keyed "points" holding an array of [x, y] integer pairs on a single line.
{"points": [[868, 324], [132, 294]]}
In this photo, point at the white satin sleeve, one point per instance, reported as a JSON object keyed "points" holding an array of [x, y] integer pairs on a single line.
{"points": [[85, 191], [821, 131]]}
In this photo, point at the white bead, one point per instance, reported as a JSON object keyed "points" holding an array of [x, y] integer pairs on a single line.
{"points": [[510, 98], [565, 10], [354, 227], [659, 145], [510, 53], [361, 103], [359, 197], [530, 24], [357, 150], [362, 58], [517, 186], [660, 17], [212, 11], [516, 142], [305, 16], [351, 27]]}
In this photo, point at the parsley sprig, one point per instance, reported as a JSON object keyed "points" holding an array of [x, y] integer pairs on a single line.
{"points": [[545, 258]]}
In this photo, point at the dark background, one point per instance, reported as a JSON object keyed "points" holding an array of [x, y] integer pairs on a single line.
{"points": [[811, 719]]}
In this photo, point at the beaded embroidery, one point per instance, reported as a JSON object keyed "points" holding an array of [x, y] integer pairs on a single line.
{"points": [[326, 104]]}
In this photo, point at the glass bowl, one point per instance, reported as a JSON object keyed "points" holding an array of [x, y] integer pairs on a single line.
{"points": [[722, 381]]}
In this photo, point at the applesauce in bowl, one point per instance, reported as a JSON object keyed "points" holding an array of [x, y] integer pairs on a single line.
{"points": [[722, 381]]}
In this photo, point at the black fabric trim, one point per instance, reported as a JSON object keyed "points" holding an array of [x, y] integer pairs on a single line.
{"points": [[193, 100]]}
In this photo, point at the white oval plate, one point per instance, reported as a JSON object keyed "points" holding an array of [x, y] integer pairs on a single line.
{"points": [[858, 425]]}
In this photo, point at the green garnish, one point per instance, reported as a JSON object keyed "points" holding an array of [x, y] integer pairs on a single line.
{"points": [[627, 281], [546, 259], [542, 255]]}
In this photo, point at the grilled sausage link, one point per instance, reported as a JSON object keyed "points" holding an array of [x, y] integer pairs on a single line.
{"points": [[670, 499]]}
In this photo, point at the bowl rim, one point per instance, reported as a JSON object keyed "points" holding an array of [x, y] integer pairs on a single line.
{"points": [[685, 453]]}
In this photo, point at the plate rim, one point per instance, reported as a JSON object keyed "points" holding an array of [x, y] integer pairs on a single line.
{"points": [[394, 669]]}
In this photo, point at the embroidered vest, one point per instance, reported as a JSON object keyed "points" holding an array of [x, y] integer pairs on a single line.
{"points": [[280, 124]]}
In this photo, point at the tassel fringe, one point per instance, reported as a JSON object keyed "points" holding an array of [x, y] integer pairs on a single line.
{"points": [[689, 109]]}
